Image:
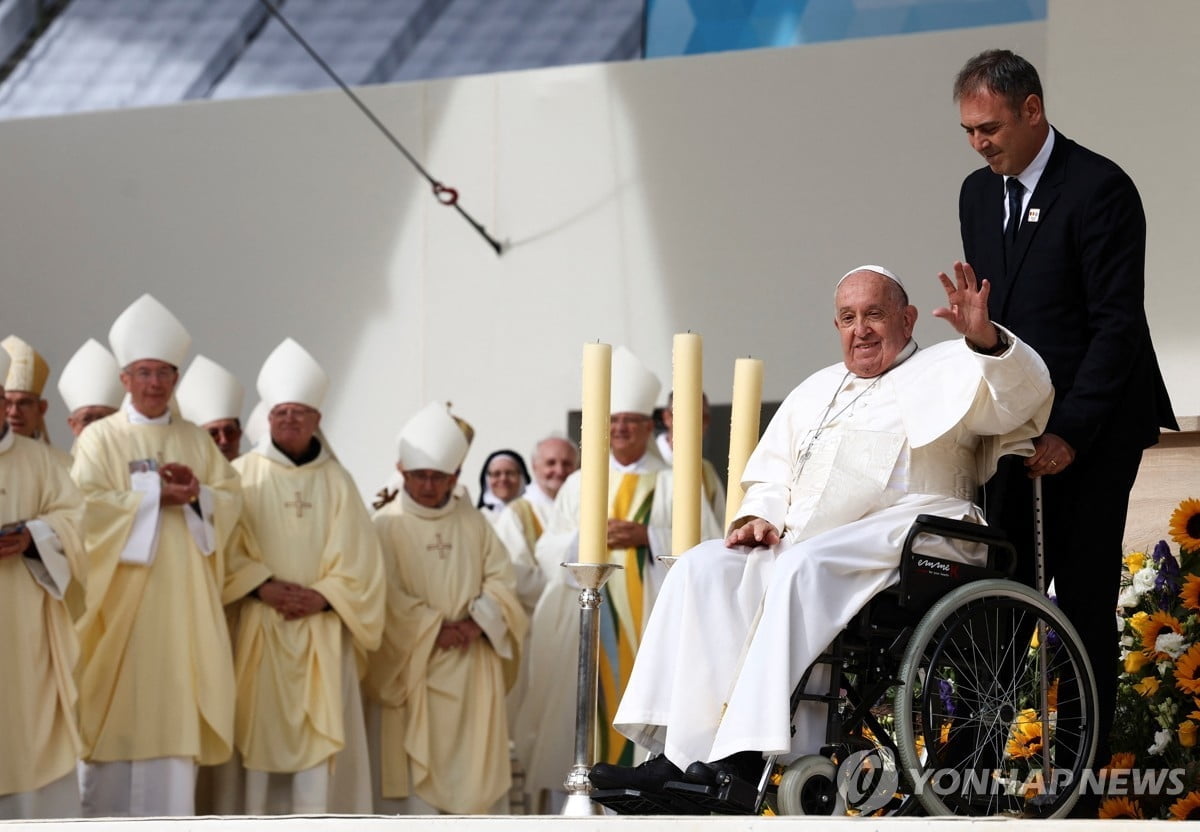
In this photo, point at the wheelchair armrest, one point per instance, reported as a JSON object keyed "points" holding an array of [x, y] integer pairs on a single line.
{"points": [[1002, 555]]}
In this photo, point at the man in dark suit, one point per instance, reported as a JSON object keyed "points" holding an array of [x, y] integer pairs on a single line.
{"points": [[1064, 249]]}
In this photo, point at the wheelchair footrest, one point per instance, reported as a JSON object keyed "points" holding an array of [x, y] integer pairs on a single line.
{"points": [[635, 802], [733, 797]]}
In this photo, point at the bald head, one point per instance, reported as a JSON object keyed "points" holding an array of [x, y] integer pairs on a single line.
{"points": [[554, 459]]}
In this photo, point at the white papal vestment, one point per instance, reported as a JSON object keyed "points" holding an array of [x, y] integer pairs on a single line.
{"points": [[843, 469]]}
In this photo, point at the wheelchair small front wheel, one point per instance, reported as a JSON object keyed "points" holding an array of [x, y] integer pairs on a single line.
{"points": [[808, 787]]}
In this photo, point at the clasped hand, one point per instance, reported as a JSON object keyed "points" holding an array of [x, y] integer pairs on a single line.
{"points": [[15, 543], [291, 600], [179, 485], [457, 633]]}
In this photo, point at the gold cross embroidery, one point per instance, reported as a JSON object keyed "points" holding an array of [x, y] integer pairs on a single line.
{"points": [[439, 546], [299, 504]]}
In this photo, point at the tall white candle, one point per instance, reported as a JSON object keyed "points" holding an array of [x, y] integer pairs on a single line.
{"points": [[743, 428], [686, 439], [593, 457]]}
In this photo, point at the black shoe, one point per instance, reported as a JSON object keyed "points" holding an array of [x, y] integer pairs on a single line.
{"points": [[650, 776], [745, 765]]}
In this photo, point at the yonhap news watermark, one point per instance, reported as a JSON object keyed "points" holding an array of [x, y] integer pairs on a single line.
{"points": [[869, 780]]}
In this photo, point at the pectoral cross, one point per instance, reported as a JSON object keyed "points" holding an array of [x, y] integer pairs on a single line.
{"points": [[439, 546], [299, 505]]}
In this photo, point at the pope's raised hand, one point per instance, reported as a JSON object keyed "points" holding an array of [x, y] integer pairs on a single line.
{"points": [[967, 306]]}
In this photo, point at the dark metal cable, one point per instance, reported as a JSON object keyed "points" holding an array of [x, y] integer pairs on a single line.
{"points": [[442, 193]]}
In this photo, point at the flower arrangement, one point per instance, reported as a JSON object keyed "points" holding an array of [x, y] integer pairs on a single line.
{"points": [[1158, 696]]}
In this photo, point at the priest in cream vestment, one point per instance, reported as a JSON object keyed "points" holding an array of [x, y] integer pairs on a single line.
{"points": [[853, 455], [300, 728], [453, 636], [156, 668], [23, 387], [639, 533], [41, 552]]}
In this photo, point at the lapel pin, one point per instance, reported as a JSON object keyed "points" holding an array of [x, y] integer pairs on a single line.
{"points": [[1033, 214]]}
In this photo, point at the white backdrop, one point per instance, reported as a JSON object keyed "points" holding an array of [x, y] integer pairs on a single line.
{"points": [[722, 194]]}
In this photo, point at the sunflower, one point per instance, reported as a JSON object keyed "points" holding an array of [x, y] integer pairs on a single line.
{"points": [[1186, 807], [1121, 761], [1190, 593], [1154, 625], [1026, 737], [1185, 524], [1196, 713], [1187, 667], [1119, 807]]}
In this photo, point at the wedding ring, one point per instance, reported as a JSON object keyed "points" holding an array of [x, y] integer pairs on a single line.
{"points": [[1054, 463]]}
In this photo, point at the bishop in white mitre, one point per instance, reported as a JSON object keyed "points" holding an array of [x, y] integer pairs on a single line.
{"points": [[156, 669], [304, 632], [454, 631]]}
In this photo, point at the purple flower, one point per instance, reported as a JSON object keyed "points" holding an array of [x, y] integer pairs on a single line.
{"points": [[946, 694], [1167, 583]]}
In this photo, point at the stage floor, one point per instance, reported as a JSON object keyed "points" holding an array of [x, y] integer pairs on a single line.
{"points": [[545, 823]]}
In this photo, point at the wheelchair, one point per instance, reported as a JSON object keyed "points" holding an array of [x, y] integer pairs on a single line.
{"points": [[956, 690]]}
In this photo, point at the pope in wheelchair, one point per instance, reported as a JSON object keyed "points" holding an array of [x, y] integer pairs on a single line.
{"points": [[854, 455]]}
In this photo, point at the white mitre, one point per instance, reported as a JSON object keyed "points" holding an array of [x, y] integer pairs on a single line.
{"points": [[433, 439], [257, 427], [148, 330], [634, 388], [208, 393], [28, 371], [92, 377], [5, 361], [291, 375]]}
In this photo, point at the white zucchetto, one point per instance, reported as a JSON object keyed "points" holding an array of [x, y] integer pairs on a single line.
{"points": [[92, 377], [208, 393], [291, 374], [148, 330], [634, 388]]}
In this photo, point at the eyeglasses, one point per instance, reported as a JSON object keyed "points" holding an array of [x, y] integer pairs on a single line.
{"points": [[22, 402], [431, 477], [499, 475], [628, 419], [296, 411], [144, 374]]}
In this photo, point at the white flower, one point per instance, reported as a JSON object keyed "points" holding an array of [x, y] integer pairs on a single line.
{"points": [[1128, 598], [1161, 740], [1143, 579], [1127, 641], [1164, 667], [1170, 643]]}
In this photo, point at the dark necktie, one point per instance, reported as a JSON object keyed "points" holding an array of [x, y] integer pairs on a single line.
{"points": [[1015, 192]]}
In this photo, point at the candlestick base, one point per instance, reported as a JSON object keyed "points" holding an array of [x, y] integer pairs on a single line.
{"points": [[591, 578]]}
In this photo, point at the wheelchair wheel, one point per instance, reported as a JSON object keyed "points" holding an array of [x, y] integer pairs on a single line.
{"points": [[968, 728], [808, 786]]}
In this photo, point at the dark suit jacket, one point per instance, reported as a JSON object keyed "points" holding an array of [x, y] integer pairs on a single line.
{"points": [[1074, 291]]}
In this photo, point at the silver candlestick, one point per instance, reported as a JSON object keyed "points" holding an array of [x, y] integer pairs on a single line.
{"points": [[591, 578]]}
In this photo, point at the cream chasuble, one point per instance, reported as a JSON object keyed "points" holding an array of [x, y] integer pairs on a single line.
{"points": [[311, 529], [443, 715], [39, 742], [156, 670], [545, 725]]}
